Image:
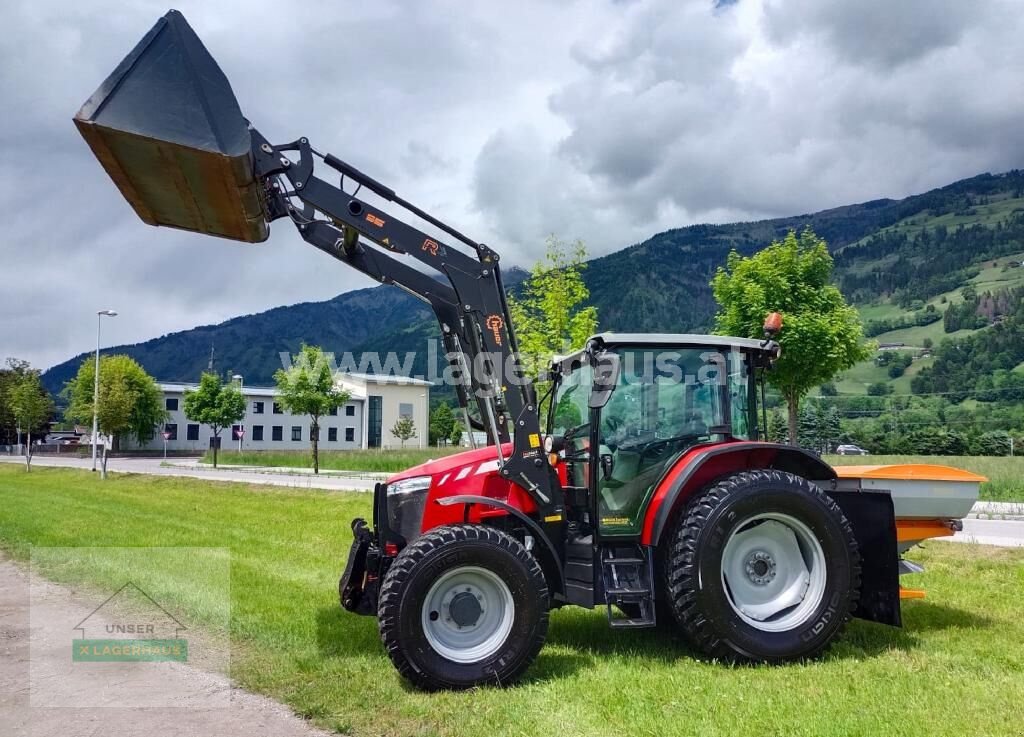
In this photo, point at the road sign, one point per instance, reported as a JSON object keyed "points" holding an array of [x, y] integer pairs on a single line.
{"points": [[167, 435]]}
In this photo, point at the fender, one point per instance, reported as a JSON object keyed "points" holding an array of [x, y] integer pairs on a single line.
{"points": [[701, 465], [552, 553]]}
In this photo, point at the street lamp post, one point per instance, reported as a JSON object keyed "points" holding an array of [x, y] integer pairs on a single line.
{"points": [[96, 384], [241, 428]]}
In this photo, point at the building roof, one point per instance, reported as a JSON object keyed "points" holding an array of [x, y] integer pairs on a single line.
{"points": [[382, 379], [271, 391]]}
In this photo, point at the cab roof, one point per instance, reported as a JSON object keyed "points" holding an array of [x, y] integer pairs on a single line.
{"points": [[674, 340], [680, 339]]}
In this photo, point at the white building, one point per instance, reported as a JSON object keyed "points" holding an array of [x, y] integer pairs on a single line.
{"points": [[365, 421]]}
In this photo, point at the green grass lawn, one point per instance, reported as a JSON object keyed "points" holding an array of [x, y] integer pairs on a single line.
{"points": [[1005, 475], [390, 460], [956, 668]]}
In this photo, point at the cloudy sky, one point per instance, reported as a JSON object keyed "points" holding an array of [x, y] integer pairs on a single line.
{"points": [[608, 121]]}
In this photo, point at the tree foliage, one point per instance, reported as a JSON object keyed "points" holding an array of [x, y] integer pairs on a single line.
{"points": [[130, 402], [31, 407], [309, 388], [11, 376], [404, 429], [550, 316], [442, 423], [216, 404], [821, 334]]}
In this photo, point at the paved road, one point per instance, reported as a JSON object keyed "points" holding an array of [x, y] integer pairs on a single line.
{"points": [[1007, 532], [156, 467]]}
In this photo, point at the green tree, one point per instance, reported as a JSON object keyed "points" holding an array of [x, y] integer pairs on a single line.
{"points": [[879, 389], [549, 315], [308, 388], [442, 420], [821, 334], [31, 407], [455, 436], [11, 375], [776, 431], [216, 404], [130, 403], [404, 429]]}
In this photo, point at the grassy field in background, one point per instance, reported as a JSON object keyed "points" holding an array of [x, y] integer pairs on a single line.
{"points": [[1005, 475], [390, 460], [957, 667]]}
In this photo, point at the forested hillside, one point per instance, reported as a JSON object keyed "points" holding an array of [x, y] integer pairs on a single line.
{"points": [[903, 262]]}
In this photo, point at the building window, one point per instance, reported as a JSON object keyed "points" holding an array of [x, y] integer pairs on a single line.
{"points": [[277, 409], [332, 435], [192, 432], [296, 433], [350, 434], [257, 408], [172, 430], [333, 412], [350, 410], [171, 404], [257, 432], [373, 420], [277, 433]]}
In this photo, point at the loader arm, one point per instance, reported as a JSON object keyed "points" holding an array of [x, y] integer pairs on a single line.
{"points": [[471, 307]]}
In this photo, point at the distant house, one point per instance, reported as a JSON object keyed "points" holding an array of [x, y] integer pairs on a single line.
{"points": [[891, 346], [376, 402]]}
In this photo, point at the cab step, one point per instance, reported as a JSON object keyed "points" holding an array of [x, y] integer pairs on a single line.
{"points": [[627, 575]]}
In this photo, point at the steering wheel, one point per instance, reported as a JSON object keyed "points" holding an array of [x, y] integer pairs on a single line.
{"points": [[656, 449]]}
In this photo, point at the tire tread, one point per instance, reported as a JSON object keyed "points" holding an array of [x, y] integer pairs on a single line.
{"points": [[680, 567]]}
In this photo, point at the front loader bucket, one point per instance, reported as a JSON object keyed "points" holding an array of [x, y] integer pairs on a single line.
{"points": [[168, 130]]}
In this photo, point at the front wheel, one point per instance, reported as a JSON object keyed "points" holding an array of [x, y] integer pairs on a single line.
{"points": [[762, 567], [463, 606]]}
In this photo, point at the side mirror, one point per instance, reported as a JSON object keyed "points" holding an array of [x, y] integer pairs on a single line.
{"points": [[606, 378]]}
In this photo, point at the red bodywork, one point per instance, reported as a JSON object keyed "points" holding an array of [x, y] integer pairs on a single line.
{"points": [[473, 472], [476, 472]]}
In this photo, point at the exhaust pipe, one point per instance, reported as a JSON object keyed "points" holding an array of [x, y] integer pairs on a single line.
{"points": [[168, 130]]}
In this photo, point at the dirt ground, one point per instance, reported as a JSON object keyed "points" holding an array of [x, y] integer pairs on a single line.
{"points": [[43, 693]]}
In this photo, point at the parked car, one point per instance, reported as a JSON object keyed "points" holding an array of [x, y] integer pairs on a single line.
{"points": [[851, 450]]}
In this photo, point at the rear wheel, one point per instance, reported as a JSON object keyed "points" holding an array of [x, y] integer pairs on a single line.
{"points": [[762, 566], [463, 606]]}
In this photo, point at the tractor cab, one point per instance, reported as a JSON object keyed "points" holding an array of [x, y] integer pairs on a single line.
{"points": [[668, 393]]}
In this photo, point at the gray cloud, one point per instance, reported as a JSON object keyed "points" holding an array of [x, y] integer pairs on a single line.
{"points": [[604, 120]]}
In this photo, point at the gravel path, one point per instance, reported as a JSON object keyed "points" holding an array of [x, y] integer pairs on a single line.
{"points": [[43, 693]]}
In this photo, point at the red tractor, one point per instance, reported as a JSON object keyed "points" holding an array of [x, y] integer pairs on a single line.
{"points": [[638, 482]]}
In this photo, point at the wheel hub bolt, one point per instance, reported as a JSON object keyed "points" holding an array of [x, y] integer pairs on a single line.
{"points": [[760, 567]]}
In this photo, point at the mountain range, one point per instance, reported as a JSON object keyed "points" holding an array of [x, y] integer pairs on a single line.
{"points": [[894, 258]]}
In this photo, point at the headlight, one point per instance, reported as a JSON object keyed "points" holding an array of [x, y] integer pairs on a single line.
{"points": [[406, 500]]}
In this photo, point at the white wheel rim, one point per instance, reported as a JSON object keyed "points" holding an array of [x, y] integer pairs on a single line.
{"points": [[773, 572], [467, 614]]}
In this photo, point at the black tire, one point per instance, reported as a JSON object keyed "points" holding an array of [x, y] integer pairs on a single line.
{"points": [[698, 597], [409, 580]]}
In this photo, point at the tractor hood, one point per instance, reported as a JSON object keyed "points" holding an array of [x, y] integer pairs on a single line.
{"points": [[454, 463]]}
